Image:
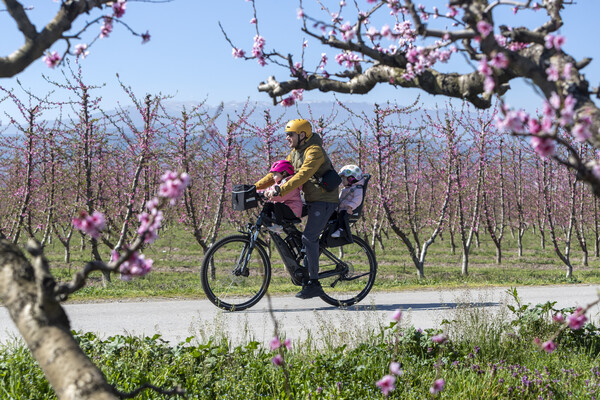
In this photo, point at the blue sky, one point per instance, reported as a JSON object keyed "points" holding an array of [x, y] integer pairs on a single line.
{"points": [[189, 58]]}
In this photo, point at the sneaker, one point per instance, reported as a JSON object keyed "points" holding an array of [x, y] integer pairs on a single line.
{"points": [[337, 233], [276, 228], [311, 289]]}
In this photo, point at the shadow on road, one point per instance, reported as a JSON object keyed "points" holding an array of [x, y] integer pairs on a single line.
{"points": [[383, 307]]}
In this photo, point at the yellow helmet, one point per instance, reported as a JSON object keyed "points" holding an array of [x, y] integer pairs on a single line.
{"points": [[299, 125]]}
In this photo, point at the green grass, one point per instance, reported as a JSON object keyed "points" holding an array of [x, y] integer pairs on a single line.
{"points": [[487, 356], [177, 259]]}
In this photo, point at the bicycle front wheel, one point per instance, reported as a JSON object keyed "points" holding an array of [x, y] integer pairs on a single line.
{"points": [[358, 267], [233, 279]]}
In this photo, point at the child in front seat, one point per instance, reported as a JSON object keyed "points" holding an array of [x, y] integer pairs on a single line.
{"points": [[282, 207], [350, 197]]}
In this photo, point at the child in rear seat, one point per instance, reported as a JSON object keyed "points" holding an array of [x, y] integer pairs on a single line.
{"points": [[282, 207], [350, 197]]}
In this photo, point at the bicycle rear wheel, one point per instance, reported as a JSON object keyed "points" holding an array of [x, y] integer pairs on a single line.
{"points": [[358, 267], [229, 284]]}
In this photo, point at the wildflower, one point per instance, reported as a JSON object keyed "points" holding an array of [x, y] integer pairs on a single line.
{"points": [[288, 344], [549, 346], [275, 343], [395, 368], [397, 315], [441, 338], [277, 360], [559, 318], [437, 386], [386, 384]]}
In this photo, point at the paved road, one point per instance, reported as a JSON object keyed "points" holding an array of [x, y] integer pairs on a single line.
{"points": [[298, 319]]}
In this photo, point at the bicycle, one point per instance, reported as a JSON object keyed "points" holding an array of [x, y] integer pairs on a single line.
{"points": [[236, 271]]}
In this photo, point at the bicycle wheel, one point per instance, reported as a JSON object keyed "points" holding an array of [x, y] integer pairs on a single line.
{"points": [[226, 282], [358, 267]]}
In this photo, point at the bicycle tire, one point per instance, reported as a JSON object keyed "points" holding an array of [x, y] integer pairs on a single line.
{"points": [[362, 266], [226, 289]]}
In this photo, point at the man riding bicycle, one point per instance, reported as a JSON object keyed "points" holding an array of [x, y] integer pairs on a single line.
{"points": [[310, 161]]}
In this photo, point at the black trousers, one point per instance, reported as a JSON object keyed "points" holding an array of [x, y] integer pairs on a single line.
{"points": [[277, 212]]}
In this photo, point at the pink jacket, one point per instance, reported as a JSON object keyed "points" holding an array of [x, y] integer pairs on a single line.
{"points": [[291, 199], [351, 196]]}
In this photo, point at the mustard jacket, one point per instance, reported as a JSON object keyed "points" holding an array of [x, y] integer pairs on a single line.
{"points": [[308, 160]]}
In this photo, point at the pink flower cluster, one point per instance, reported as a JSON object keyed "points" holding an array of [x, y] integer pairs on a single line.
{"points": [[136, 265], [440, 339], [173, 185], [420, 58], [106, 27], [577, 319], [387, 383], [297, 95], [81, 50], [150, 221], [348, 32], [90, 224], [275, 344], [257, 50], [350, 59], [119, 8], [52, 59], [238, 53], [437, 386], [554, 41]]}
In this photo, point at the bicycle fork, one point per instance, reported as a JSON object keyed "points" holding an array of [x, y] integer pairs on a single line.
{"points": [[244, 259]]}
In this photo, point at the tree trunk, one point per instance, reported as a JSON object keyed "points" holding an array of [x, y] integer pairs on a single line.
{"points": [[465, 263], [46, 330]]}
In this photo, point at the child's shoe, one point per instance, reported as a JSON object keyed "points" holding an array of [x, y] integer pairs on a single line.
{"points": [[337, 233], [276, 228]]}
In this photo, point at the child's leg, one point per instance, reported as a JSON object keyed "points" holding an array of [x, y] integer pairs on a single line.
{"points": [[282, 212]]}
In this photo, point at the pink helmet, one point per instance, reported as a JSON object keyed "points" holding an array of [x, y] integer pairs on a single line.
{"points": [[281, 166]]}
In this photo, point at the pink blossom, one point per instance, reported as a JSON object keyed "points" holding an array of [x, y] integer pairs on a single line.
{"points": [[150, 222], [298, 94], [288, 101], [577, 319], [437, 386], [554, 100], [559, 42], [277, 360], [395, 369], [372, 33], [173, 185], [81, 50], [253, 21], [237, 53], [347, 32], [106, 27], [552, 72], [386, 384], [549, 41], [581, 131], [90, 224], [544, 147], [489, 84], [452, 13], [549, 346], [566, 74], [596, 170], [484, 68], [135, 265], [386, 31], [275, 343], [499, 61], [300, 13], [513, 121], [288, 344], [52, 59], [145, 37], [119, 8], [397, 315], [534, 126], [323, 60], [484, 28]]}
